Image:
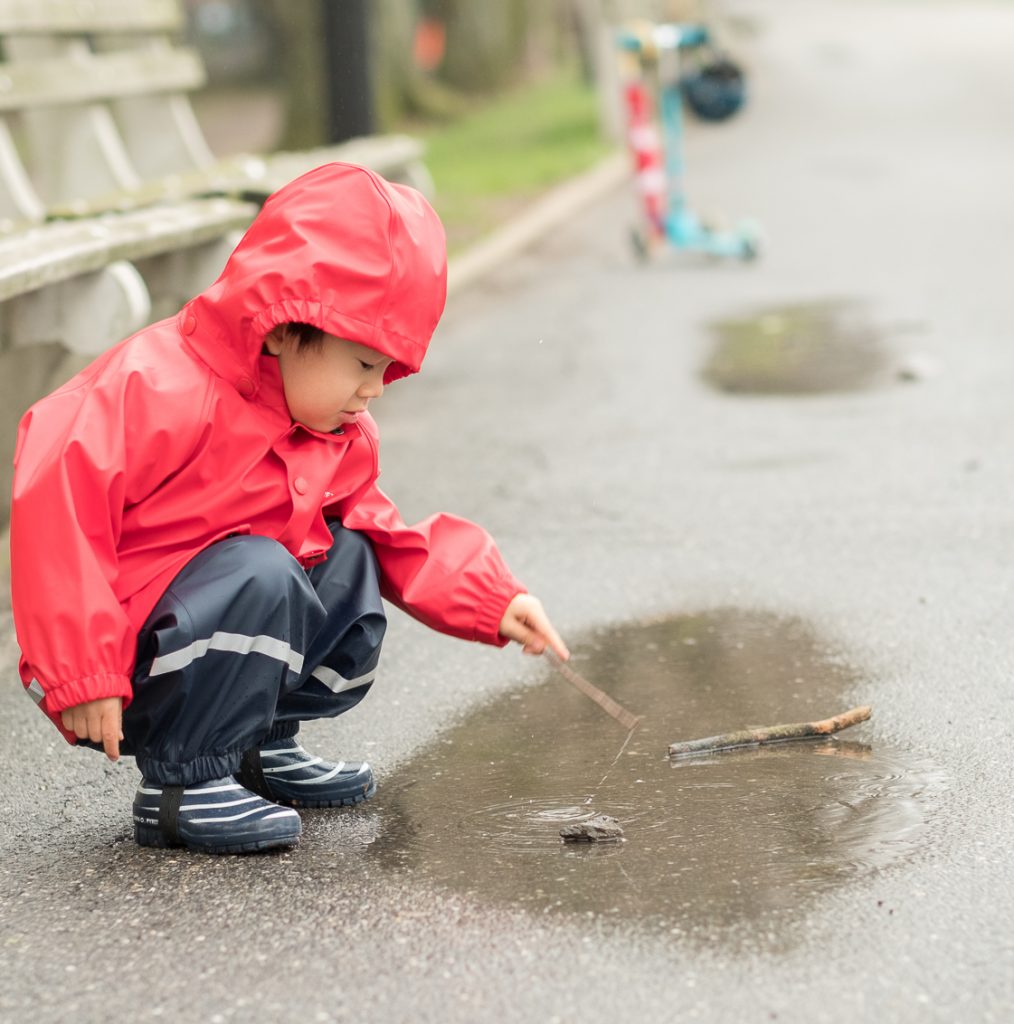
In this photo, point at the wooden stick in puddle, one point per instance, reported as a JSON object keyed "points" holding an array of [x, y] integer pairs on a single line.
{"points": [[604, 701], [771, 734]]}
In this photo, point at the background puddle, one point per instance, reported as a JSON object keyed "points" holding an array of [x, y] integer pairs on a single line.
{"points": [[802, 349], [709, 843]]}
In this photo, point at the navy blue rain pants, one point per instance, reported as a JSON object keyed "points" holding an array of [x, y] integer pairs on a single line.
{"points": [[243, 646]]}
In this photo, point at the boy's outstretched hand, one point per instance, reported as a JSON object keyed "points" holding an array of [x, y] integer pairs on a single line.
{"points": [[100, 721], [527, 622]]}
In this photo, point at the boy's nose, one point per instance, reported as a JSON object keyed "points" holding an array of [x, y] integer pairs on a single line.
{"points": [[372, 390]]}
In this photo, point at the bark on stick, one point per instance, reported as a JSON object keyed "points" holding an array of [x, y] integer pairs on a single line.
{"points": [[771, 734], [627, 719]]}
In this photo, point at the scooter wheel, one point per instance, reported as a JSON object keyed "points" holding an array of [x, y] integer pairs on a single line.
{"points": [[750, 250], [639, 245]]}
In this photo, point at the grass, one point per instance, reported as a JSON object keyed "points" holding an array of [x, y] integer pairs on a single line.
{"points": [[499, 156]]}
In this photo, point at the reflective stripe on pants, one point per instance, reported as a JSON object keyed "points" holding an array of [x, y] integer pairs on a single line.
{"points": [[243, 646]]}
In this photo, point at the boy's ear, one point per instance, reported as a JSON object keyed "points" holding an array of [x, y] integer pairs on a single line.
{"points": [[274, 340]]}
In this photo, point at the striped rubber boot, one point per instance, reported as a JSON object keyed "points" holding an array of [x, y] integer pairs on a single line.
{"points": [[217, 816], [284, 772]]}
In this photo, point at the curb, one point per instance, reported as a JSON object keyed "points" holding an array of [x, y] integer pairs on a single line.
{"points": [[550, 211]]}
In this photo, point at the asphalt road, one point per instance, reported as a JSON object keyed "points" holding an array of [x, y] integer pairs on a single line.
{"points": [[563, 406]]}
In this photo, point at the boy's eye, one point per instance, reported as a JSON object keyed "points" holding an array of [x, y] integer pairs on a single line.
{"points": [[366, 366]]}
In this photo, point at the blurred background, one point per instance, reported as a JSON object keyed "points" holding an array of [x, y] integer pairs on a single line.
{"points": [[504, 92]]}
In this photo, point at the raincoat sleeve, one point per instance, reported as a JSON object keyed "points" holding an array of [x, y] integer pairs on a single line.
{"points": [[444, 571], [83, 454]]}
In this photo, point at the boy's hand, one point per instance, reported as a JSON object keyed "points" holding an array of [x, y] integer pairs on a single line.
{"points": [[527, 622], [99, 721]]}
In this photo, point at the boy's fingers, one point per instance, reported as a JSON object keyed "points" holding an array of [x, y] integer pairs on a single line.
{"points": [[96, 724], [550, 637], [558, 645], [559, 648], [527, 623], [99, 725], [111, 734], [111, 743], [529, 636], [79, 724], [545, 636]]}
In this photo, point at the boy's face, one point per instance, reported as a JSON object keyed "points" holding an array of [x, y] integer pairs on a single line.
{"points": [[327, 385]]}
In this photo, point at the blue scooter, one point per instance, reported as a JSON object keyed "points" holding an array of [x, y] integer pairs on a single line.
{"points": [[714, 91]]}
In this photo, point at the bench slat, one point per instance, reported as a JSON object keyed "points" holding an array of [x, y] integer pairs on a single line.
{"points": [[28, 17], [396, 157], [389, 155], [171, 226], [63, 249], [59, 81]]}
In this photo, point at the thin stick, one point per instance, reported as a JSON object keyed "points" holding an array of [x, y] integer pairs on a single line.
{"points": [[771, 734], [591, 796], [604, 701]]}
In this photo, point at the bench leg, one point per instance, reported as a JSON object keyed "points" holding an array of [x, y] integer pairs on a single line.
{"points": [[86, 314], [175, 278]]}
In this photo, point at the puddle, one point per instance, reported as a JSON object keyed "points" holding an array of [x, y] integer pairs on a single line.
{"points": [[710, 844], [801, 349]]}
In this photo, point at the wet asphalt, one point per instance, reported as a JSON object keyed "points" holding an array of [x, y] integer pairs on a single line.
{"points": [[565, 405]]}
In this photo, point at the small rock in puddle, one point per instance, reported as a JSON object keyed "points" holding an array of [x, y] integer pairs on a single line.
{"points": [[799, 349], [600, 829], [715, 844]]}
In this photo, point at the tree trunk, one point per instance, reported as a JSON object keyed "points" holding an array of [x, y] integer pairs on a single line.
{"points": [[394, 73], [485, 41], [300, 55]]}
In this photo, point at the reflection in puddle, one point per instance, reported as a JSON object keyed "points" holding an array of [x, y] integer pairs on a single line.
{"points": [[710, 842], [802, 349]]}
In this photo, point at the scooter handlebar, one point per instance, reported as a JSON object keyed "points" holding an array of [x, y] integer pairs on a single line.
{"points": [[667, 36]]}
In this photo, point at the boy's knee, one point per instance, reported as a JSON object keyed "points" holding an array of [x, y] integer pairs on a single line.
{"points": [[350, 559], [259, 557], [257, 567], [350, 545]]}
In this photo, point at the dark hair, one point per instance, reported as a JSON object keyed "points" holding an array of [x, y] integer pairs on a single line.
{"points": [[307, 334]]}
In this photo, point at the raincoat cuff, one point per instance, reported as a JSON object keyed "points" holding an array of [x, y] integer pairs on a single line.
{"points": [[487, 622], [86, 688]]}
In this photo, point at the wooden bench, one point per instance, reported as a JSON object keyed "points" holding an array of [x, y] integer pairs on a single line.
{"points": [[111, 125], [96, 118], [113, 209]]}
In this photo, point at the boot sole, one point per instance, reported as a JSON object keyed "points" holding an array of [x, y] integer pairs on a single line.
{"points": [[348, 801], [152, 837]]}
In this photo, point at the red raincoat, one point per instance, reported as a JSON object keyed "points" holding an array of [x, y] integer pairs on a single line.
{"points": [[180, 436]]}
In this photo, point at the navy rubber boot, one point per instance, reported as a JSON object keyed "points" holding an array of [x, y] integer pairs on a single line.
{"points": [[217, 816], [284, 772]]}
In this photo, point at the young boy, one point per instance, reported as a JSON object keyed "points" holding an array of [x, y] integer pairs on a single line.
{"points": [[199, 545]]}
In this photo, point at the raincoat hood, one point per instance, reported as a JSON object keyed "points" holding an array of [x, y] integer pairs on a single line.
{"points": [[339, 248]]}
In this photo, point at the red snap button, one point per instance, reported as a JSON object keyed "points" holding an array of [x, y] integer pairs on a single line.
{"points": [[245, 386], [189, 324], [301, 485]]}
